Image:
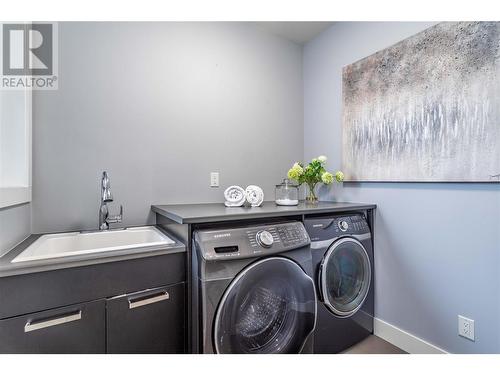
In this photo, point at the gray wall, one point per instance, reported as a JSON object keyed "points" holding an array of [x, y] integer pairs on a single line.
{"points": [[437, 245], [15, 226], [160, 106]]}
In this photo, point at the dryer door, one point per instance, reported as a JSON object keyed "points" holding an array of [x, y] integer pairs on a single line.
{"points": [[345, 276], [270, 307]]}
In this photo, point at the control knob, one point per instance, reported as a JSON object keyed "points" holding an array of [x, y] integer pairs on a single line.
{"points": [[264, 238], [343, 226]]}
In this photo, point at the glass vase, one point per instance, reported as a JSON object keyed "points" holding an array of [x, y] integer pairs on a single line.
{"points": [[311, 193]]}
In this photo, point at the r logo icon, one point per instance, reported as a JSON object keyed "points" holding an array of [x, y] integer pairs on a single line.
{"points": [[27, 49]]}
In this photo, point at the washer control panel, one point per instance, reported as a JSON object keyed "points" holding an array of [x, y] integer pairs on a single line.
{"points": [[247, 242], [293, 235]]}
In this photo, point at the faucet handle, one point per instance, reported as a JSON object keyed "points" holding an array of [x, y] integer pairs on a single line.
{"points": [[116, 218]]}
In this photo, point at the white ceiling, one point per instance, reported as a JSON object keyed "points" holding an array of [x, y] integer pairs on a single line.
{"points": [[298, 32]]}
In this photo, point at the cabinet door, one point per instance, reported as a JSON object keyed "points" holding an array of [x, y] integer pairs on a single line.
{"points": [[72, 329], [151, 321]]}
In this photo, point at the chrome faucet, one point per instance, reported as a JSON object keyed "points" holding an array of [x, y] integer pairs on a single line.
{"points": [[104, 218]]}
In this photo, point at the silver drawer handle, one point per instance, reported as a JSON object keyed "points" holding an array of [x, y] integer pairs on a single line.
{"points": [[132, 304], [30, 326]]}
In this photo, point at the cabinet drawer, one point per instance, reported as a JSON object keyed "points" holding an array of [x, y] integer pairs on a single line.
{"points": [[151, 321], [72, 329], [20, 294]]}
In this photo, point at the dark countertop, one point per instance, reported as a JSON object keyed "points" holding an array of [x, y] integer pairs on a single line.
{"points": [[7, 268], [214, 212]]}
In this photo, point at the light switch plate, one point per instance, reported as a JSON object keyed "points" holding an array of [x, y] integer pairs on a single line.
{"points": [[466, 327], [214, 179]]}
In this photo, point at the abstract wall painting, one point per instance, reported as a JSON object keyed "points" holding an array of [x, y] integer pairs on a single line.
{"points": [[426, 109]]}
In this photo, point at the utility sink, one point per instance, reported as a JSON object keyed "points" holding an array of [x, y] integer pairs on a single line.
{"points": [[78, 243]]}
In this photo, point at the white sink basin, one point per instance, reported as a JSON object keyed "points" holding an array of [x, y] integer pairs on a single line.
{"points": [[77, 243]]}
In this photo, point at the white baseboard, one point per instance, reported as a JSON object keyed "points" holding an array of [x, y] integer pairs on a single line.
{"points": [[404, 340]]}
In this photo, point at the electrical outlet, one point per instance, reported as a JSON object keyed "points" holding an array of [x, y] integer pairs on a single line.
{"points": [[214, 179], [466, 327]]}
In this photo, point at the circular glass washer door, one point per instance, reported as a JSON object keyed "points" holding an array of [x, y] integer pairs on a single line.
{"points": [[345, 277], [270, 307]]}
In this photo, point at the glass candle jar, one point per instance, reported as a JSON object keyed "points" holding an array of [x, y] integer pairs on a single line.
{"points": [[287, 194]]}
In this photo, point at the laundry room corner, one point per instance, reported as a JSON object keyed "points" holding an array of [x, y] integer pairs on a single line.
{"points": [[434, 242]]}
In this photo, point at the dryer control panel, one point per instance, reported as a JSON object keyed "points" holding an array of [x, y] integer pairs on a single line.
{"points": [[248, 242], [324, 228]]}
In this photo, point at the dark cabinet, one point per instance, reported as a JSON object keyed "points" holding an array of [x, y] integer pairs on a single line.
{"points": [[51, 312], [73, 329], [150, 321]]}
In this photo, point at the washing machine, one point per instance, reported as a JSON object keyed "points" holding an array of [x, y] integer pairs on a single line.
{"points": [[253, 290], [342, 255]]}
